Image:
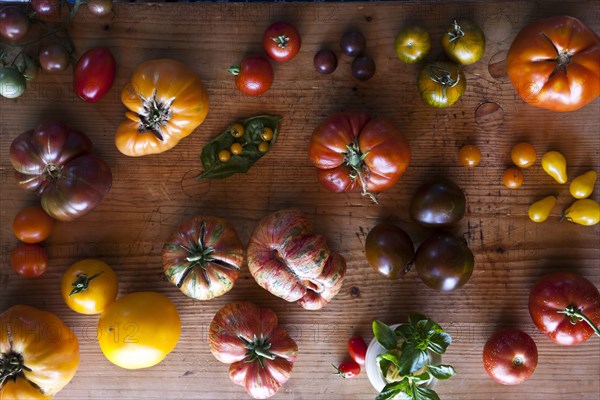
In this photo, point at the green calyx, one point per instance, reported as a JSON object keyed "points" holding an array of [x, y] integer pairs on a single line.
{"points": [[11, 366], [81, 283], [154, 115], [576, 315], [456, 32], [282, 41], [258, 349], [354, 159], [443, 77]]}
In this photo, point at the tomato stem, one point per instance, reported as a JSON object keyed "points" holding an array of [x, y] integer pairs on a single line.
{"points": [[443, 77], [11, 366], [154, 115], [258, 349], [234, 70], [456, 32], [282, 41], [354, 160], [577, 315], [82, 282]]}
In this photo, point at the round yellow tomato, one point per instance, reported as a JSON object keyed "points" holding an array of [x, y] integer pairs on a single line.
{"points": [[39, 354], [89, 286], [139, 330]]}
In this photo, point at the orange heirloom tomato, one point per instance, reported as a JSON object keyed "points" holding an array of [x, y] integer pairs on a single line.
{"points": [[89, 286], [167, 101], [39, 354], [555, 64]]}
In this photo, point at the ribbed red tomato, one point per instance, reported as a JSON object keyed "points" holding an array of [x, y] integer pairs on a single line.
{"points": [[261, 352], [94, 74], [356, 150]]}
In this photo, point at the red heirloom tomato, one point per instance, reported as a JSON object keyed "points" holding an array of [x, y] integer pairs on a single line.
{"points": [[54, 161], [554, 64], [94, 74], [510, 356], [285, 258], [357, 150], [253, 76], [203, 257], [39, 354], [566, 307], [260, 352], [281, 41]]}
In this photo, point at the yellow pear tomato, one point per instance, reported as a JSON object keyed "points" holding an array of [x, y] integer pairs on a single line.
{"points": [[540, 210], [139, 330], [89, 286], [583, 212], [583, 186], [555, 165]]}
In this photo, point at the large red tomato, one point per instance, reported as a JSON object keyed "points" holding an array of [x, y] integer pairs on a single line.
{"points": [[555, 64], [260, 351], [203, 257], [288, 260], [357, 150], [55, 161], [566, 307], [510, 356]]}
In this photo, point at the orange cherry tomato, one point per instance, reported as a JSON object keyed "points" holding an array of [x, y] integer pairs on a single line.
{"points": [[469, 155], [512, 178], [29, 260], [32, 225], [523, 155]]}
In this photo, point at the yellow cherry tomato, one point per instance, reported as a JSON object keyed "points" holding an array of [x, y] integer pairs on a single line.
{"points": [[412, 44], [263, 147], [523, 155], [513, 178], [267, 134], [224, 156], [583, 212], [583, 186], [237, 130], [555, 165], [236, 148], [540, 210], [469, 155], [139, 330], [89, 286]]}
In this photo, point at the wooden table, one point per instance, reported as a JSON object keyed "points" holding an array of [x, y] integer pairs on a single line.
{"points": [[152, 195]]}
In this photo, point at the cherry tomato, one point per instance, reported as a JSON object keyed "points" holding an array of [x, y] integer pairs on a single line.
{"points": [[523, 155], [53, 58], [29, 260], [347, 369], [469, 155], [89, 286], [254, 75], [464, 42], [14, 23], [512, 178], [236, 148], [267, 134], [281, 41], [32, 225], [263, 147], [357, 348], [325, 61], [45, 7], [412, 44], [510, 356], [224, 156], [100, 7], [94, 74], [237, 130], [363, 68], [353, 43]]}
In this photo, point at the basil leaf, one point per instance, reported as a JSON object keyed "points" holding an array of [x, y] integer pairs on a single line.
{"points": [[411, 360], [423, 393], [384, 335], [391, 358], [421, 378], [416, 317], [215, 169], [439, 342], [404, 331], [391, 390], [441, 372]]}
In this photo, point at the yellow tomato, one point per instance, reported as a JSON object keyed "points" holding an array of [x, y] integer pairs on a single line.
{"points": [[583, 212], [555, 165], [412, 44], [39, 354], [540, 210], [139, 330], [167, 101], [583, 186], [89, 286]]}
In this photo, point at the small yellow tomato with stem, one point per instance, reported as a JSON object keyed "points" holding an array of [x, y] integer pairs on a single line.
{"points": [[541, 209], [583, 186], [267, 134], [555, 165], [583, 212], [236, 130], [89, 286]]}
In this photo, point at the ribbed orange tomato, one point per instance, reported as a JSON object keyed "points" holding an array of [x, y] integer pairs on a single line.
{"points": [[167, 101]]}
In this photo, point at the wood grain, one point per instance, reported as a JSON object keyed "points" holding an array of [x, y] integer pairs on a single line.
{"points": [[152, 195]]}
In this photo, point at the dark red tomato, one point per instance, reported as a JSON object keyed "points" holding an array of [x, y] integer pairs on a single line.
{"points": [[254, 75], [29, 260], [14, 23], [357, 348], [53, 58], [94, 74], [389, 250], [510, 356], [281, 41], [45, 7], [347, 369], [566, 307]]}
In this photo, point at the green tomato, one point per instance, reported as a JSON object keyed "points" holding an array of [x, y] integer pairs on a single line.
{"points": [[12, 83]]}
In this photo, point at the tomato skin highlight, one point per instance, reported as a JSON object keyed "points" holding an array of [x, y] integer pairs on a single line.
{"points": [[510, 356], [94, 74]]}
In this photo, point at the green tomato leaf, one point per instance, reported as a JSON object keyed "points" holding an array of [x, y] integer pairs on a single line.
{"points": [[215, 169], [423, 393], [391, 390], [439, 342], [411, 360], [441, 372], [384, 335]]}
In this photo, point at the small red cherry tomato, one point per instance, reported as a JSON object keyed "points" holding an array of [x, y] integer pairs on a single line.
{"points": [[281, 41], [357, 348], [254, 75], [510, 356], [29, 260], [347, 369], [94, 74], [32, 225]]}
